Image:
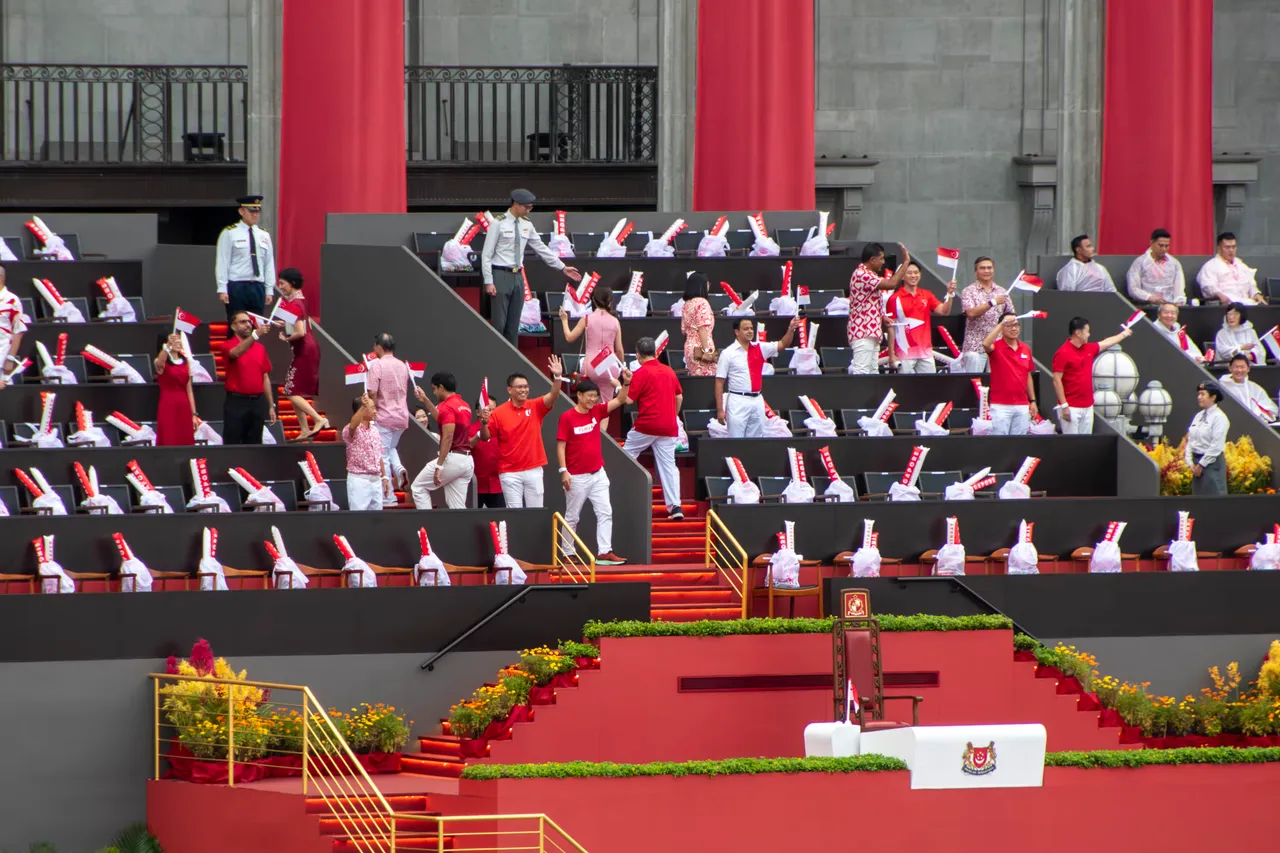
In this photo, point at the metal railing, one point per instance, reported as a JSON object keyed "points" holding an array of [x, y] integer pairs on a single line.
{"points": [[565, 548], [205, 716], [132, 114], [560, 114], [727, 557]]}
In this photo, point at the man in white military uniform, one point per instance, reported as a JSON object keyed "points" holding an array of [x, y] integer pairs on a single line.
{"points": [[502, 263], [13, 324], [246, 265], [739, 378]]}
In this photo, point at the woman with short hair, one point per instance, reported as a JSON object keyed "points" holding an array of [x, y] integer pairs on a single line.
{"points": [[1207, 442]]}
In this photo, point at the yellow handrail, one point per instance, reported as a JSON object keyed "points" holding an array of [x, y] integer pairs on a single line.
{"points": [[342, 782], [729, 558], [566, 558]]}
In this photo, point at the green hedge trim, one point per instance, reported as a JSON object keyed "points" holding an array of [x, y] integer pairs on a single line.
{"points": [[732, 627], [1149, 757], [858, 764], [726, 767]]}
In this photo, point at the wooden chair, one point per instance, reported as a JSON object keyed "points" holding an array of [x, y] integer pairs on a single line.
{"points": [[856, 649], [458, 571], [803, 591], [845, 560], [1085, 554], [930, 558], [128, 580], [77, 578], [29, 580], [1245, 554], [309, 571], [378, 571], [1000, 557], [552, 572], [1162, 554], [229, 572]]}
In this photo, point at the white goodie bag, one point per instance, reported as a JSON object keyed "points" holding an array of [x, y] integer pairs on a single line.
{"points": [[784, 565]]}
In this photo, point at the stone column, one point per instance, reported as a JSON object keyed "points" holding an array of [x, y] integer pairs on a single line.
{"points": [[1080, 128], [677, 102], [266, 29]]}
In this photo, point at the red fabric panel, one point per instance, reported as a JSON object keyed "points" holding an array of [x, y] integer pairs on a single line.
{"points": [[1157, 140], [754, 142], [342, 145]]}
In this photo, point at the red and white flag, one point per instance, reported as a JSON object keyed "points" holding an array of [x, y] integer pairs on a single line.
{"points": [[485, 402], [1034, 315], [949, 258], [357, 374], [606, 363], [185, 322], [287, 313], [417, 369], [1272, 341], [1133, 318], [1026, 281], [660, 343]]}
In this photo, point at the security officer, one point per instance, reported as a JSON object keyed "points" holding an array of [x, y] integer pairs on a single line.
{"points": [[502, 263], [246, 266]]}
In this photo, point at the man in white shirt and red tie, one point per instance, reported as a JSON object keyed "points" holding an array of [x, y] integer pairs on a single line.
{"points": [[740, 378], [1228, 279], [1155, 276]]}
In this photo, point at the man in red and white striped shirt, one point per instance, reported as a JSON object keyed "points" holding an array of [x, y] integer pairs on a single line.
{"points": [[866, 313]]}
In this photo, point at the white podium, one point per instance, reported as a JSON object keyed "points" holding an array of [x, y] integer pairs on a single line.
{"points": [[832, 740], [1010, 756]]}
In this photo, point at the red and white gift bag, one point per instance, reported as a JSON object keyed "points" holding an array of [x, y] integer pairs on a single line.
{"points": [[906, 488], [817, 242], [741, 490], [284, 570], [93, 498], [212, 576], [134, 574], [633, 303], [117, 308], [819, 423], [1106, 557], [950, 560], [203, 498], [506, 569], [661, 247], [613, 244], [877, 425], [361, 576], [429, 570], [1182, 551], [799, 490], [318, 491], [804, 358], [52, 576], [1023, 557], [963, 491], [716, 242], [1266, 557], [63, 310], [764, 246], [933, 424], [785, 305], [838, 488], [866, 560], [266, 500], [559, 242], [577, 301], [784, 565], [42, 494], [1019, 487]]}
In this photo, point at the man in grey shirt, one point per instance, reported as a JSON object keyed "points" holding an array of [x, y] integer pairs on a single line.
{"points": [[502, 263]]}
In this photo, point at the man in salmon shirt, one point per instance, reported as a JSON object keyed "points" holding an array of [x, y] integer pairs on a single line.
{"points": [[517, 425]]}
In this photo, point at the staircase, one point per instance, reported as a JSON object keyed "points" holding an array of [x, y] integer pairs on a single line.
{"points": [[339, 820]]}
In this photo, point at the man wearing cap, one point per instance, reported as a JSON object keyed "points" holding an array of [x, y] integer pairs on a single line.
{"points": [[502, 263], [246, 266]]}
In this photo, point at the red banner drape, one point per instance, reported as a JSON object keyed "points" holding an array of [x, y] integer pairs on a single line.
{"points": [[1157, 138], [754, 143], [342, 139]]}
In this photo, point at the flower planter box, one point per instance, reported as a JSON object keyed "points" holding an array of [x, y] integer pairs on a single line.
{"points": [[1088, 702], [374, 763], [1043, 671], [1024, 655], [185, 766], [1069, 685], [1109, 718]]}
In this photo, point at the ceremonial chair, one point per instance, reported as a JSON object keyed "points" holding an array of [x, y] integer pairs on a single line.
{"points": [[1245, 554], [1085, 554], [856, 651], [718, 489], [790, 240], [23, 434], [1272, 288], [635, 242], [845, 560], [173, 494], [878, 483], [46, 313], [772, 592], [930, 558], [719, 300], [458, 571], [553, 298], [15, 246], [6, 580], [904, 423], [229, 572], [1161, 555], [28, 304], [378, 571], [660, 301], [1000, 557], [740, 243], [675, 360], [820, 485], [9, 497], [284, 580], [100, 305], [835, 359], [960, 421], [277, 431], [337, 488], [285, 490], [572, 363], [427, 245], [796, 417], [205, 360]]}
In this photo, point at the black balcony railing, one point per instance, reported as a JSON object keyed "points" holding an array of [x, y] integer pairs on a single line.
{"points": [[562, 114], [123, 113]]}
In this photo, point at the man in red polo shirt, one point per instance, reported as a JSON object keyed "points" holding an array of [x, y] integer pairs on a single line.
{"points": [[1013, 393], [517, 424], [1073, 376], [658, 397], [453, 466], [912, 302], [582, 474], [249, 404]]}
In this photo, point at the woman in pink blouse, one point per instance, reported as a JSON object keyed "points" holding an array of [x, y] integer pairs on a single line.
{"points": [[603, 332], [696, 322]]}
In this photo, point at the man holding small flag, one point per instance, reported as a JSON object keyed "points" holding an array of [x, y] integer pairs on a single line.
{"points": [[1013, 392], [388, 384], [865, 308], [1073, 376], [517, 424], [983, 303], [1246, 392], [582, 474], [453, 466], [658, 396], [249, 404], [913, 305]]}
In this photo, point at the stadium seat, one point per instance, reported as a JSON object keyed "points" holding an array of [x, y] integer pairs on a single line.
{"points": [[835, 359], [22, 434], [878, 483], [660, 301], [1161, 555], [686, 242], [586, 243], [100, 305], [771, 592], [119, 439], [46, 313], [820, 485], [771, 487], [1000, 558], [9, 497], [848, 422], [934, 483], [173, 494], [696, 420], [553, 299], [718, 489]]}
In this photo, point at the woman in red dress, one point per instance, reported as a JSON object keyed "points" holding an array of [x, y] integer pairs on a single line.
{"points": [[303, 378], [176, 412]]}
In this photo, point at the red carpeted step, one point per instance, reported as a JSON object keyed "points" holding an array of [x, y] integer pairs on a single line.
{"points": [[440, 746], [668, 596], [685, 574], [399, 802], [356, 822], [694, 614], [690, 526], [404, 841], [423, 765], [663, 542], [660, 511]]}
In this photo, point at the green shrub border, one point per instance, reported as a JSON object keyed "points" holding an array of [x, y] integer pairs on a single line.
{"points": [[1100, 759], [732, 627]]}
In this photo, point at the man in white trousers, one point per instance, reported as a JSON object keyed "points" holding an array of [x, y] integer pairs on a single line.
{"points": [[453, 466], [517, 425], [658, 398], [582, 474], [387, 381], [1073, 376], [739, 378]]}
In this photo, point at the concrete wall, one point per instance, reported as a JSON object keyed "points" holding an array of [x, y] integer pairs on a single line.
{"points": [[87, 738], [1246, 108]]}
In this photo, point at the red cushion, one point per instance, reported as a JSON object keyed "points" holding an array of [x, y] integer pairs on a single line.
{"points": [[881, 725]]}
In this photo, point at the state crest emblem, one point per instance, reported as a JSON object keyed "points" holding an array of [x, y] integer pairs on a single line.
{"points": [[979, 760]]}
